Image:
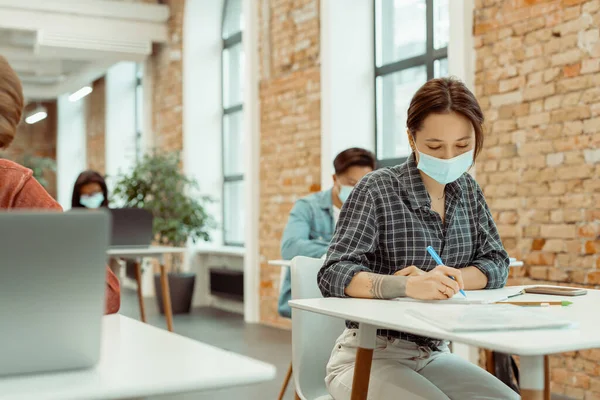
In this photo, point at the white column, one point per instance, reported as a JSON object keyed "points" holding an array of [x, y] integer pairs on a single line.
{"points": [[70, 147], [461, 54], [251, 163], [202, 110], [347, 80], [120, 120]]}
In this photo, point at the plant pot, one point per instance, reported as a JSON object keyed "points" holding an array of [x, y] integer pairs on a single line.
{"points": [[181, 285]]}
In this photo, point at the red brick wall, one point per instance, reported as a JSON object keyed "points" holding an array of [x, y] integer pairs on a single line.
{"points": [[166, 75], [537, 78], [290, 123], [37, 140], [96, 127]]}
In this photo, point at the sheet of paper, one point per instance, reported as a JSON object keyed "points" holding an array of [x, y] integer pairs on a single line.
{"points": [[490, 317], [473, 297]]}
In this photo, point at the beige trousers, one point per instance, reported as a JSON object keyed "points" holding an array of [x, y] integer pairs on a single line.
{"points": [[401, 370]]}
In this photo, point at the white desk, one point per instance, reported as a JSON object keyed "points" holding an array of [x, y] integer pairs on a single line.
{"points": [[139, 360], [157, 252], [530, 345]]}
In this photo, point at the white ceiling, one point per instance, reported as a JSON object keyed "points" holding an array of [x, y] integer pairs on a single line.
{"points": [[57, 46], [20, 47]]}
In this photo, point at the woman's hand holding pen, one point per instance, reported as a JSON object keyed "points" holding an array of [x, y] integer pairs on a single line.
{"points": [[436, 284]]}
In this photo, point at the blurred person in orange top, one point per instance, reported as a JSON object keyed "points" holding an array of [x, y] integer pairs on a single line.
{"points": [[19, 189]]}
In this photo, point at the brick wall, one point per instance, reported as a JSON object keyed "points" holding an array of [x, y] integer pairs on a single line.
{"points": [[537, 78], [96, 127], [166, 74], [37, 140], [290, 127]]}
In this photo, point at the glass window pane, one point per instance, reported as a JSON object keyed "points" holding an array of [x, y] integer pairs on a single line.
{"points": [[401, 30], [441, 24], [233, 144], [232, 20], [394, 93], [233, 75], [440, 68], [234, 212]]}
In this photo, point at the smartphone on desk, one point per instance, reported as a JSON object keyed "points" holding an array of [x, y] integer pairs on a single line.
{"points": [[557, 291]]}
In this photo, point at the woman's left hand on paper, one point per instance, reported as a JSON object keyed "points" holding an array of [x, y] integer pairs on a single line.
{"points": [[409, 271]]}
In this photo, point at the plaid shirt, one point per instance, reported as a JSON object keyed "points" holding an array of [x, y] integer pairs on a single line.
{"points": [[387, 223]]}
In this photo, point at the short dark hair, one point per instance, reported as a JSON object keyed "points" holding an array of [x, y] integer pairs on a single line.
{"points": [[83, 179], [353, 157], [443, 96]]}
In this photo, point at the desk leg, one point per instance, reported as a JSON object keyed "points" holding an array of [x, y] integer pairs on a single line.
{"points": [[138, 278], [490, 362], [367, 335], [532, 378], [166, 295]]}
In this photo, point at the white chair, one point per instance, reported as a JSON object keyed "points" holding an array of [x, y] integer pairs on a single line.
{"points": [[313, 335]]}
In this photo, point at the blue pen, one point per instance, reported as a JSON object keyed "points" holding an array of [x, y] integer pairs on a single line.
{"points": [[439, 261]]}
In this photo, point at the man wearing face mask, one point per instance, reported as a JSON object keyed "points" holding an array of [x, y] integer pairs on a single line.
{"points": [[312, 220]]}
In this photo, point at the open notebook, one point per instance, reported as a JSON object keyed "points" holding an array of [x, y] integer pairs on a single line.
{"points": [[474, 297], [491, 317]]}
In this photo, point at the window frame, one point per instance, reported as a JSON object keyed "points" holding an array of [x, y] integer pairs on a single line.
{"points": [[228, 43], [139, 125], [428, 59]]}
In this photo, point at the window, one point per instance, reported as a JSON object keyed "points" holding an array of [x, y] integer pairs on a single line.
{"points": [[139, 110], [233, 135], [411, 47]]}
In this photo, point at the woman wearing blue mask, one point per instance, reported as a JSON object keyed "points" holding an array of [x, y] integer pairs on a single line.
{"points": [[90, 191], [379, 251]]}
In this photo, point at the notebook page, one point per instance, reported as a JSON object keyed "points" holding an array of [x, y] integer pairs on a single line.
{"points": [[491, 317], [473, 297]]}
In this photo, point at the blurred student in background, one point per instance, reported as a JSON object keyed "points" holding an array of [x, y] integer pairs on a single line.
{"points": [[90, 191], [312, 220], [19, 189]]}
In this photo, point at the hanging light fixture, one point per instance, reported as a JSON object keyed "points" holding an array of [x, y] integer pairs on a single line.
{"points": [[36, 115], [80, 94]]}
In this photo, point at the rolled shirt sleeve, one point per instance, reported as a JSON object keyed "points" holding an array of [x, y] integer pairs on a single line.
{"points": [[352, 246], [490, 257]]}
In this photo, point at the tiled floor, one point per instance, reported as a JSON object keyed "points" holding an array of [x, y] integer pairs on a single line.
{"points": [[227, 331]]}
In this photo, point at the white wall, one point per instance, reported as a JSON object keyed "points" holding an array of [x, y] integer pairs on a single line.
{"points": [[461, 55], [70, 147], [202, 108], [251, 164], [347, 80], [120, 120]]}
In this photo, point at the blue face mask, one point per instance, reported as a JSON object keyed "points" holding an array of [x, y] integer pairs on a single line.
{"points": [[93, 201], [345, 193], [445, 171]]}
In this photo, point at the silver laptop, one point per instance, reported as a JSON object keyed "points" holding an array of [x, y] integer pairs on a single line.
{"points": [[52, 286]]}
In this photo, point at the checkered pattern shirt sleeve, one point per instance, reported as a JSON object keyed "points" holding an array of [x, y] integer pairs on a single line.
{"points": [[355, 237], [490, 256]]}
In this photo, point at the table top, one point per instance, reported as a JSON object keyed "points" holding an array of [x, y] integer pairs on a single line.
{"points": [[144, 251], [139, 360], [392, 315]]}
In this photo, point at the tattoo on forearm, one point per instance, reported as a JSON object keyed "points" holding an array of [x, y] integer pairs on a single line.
{"points": [[376, 284], [387, 286]]}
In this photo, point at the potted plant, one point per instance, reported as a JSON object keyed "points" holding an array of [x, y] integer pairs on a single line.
{"points": [[157, 184]]}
